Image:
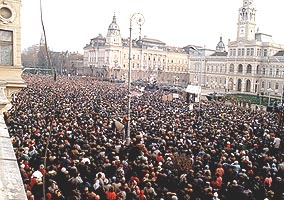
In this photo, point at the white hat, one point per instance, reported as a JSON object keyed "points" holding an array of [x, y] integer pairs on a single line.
{"points": [[37, 174], [215, 194], [63, 170], [174, 197]]}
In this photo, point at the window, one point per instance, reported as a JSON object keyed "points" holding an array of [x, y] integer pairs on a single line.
{"points": [[240, 68], [234, 52], [239, 52], [231, 52], [231, 67], [277, 72], [248, 51], [270, 72], [243, 51], [262, 84], [263, 71], [257, 69], [6, 47], [258, 52], [276, 86], [252, 51], [249, 69], [264, 52]]}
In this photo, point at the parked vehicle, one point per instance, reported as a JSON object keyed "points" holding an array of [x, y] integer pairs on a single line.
{"points": [[215, 96]]}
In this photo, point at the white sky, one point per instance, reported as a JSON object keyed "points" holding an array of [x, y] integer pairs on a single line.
{"points": [[70, 24]]}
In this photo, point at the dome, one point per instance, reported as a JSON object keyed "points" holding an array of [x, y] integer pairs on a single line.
{"points": [[113, 25], [220, 46]]}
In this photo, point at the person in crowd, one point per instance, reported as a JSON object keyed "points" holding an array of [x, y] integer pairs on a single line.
{"points": [[77, 126]]}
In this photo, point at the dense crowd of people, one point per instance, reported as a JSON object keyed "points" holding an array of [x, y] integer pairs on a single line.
{"points": [[69, 144]]}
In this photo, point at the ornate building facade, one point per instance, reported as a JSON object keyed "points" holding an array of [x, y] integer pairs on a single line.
{"points": [[252, 63], [10, 50], [108, 57]]}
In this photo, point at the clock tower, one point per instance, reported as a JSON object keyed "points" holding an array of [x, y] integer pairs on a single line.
{"points": [[113, 34], [246, 21]]}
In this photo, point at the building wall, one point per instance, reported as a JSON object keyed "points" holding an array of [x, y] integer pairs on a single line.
{"points": [[10, 72], [249, 65]]}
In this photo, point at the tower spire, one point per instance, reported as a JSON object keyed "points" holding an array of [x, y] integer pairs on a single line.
{"points": [[42, 40], [114, 18], [246, 21]]}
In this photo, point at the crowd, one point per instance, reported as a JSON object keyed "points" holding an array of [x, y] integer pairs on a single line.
{"points": [[68, 145]]}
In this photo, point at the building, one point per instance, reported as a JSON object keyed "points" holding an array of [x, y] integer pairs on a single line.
{"points": [[10, 50], [253, 63], [108, 57], [10, 82]]}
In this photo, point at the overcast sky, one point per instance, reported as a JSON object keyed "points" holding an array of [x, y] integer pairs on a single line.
{"points": [[70, 24]]}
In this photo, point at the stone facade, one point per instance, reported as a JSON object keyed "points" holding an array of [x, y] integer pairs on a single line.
{"points": [[108, 57], [10, 47], [252, 63]]}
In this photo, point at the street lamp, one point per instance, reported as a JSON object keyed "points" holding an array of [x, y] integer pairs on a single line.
{"points": [[199, 78], [137, 18]]}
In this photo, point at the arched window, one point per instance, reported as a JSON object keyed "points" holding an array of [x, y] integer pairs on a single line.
{"points": [[257, 69], [249, 69], [248, 85], [232, 67], [239, 85], [240, 68]]}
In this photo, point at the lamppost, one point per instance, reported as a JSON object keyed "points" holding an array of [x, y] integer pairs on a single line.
{"points": [[199, 78], [137, 18]]}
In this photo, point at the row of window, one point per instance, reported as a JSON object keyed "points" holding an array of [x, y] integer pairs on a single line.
{"points": [[157, 58], [159, 68], [263, 71], [248, 52], [221, 82]]}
